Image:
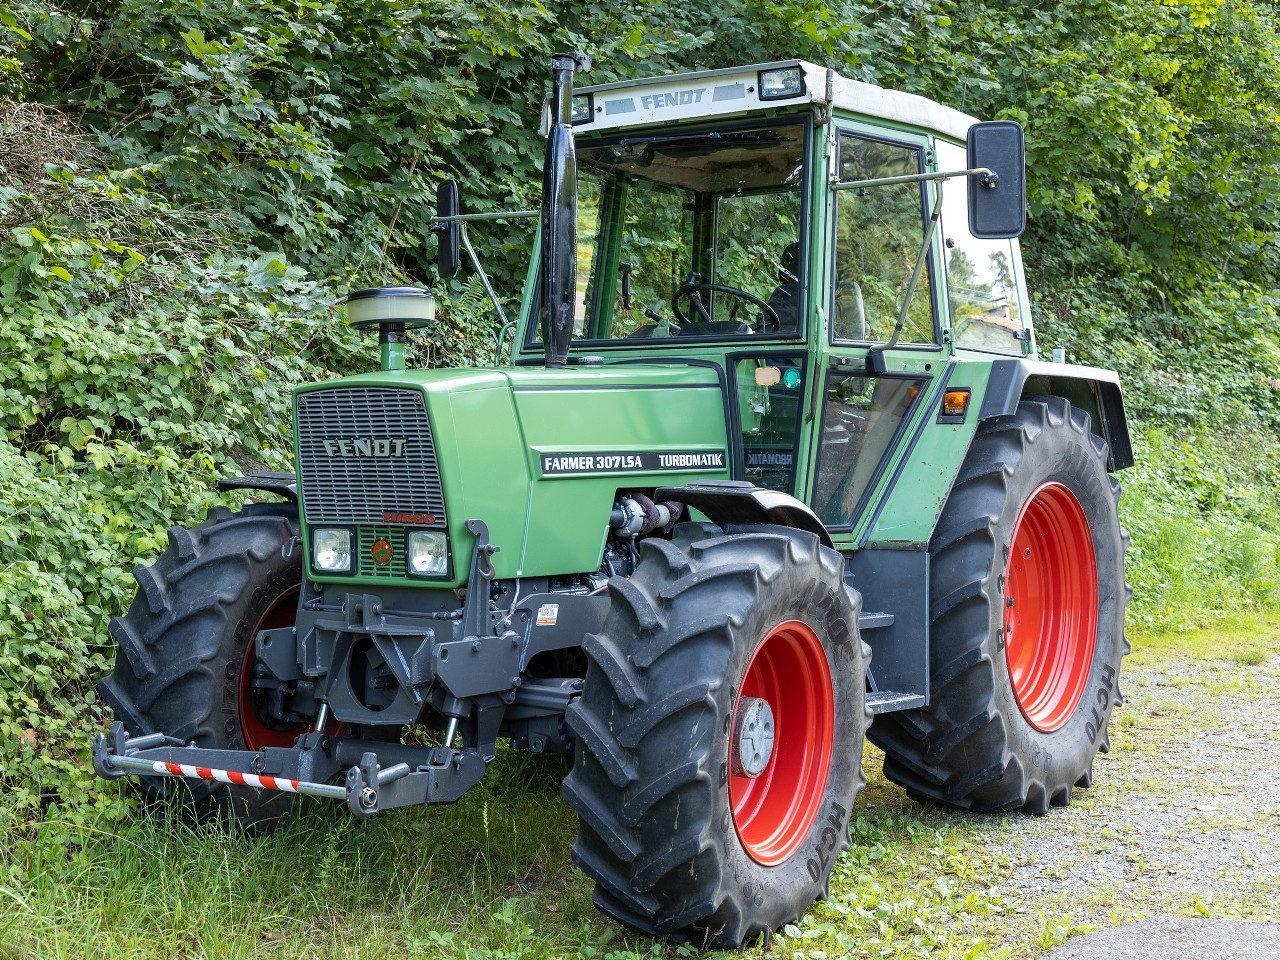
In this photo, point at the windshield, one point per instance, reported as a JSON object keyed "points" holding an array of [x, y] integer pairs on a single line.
{"points": [[690, 235]]}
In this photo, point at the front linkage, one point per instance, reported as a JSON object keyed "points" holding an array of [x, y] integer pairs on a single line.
{"points": [[468, 664], [416, 775]]}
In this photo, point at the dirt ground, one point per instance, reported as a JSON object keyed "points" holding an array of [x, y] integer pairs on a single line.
{"points": [[1184, 817]]}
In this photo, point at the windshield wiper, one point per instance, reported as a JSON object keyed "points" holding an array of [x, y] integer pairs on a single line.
{"points": [[692, 144]]}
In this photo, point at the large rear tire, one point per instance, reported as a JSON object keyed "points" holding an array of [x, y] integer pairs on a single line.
{"points": [[1027, 599], [695, 824], [186, 652]]}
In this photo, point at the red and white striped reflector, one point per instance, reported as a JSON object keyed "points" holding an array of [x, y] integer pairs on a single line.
{"points": [[234, 777]]}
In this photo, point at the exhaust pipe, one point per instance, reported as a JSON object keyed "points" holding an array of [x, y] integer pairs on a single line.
{"points": [[559, 270]]}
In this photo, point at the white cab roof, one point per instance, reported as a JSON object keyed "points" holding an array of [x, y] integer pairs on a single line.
{"points": [[735, 91]]}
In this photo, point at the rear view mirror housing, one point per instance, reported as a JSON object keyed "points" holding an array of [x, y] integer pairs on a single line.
{"points": [[448, 231], [997, 200]]}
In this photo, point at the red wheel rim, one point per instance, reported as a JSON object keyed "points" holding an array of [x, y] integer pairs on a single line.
{"points": [[774, 811], [259, 733], [1051, 607]]}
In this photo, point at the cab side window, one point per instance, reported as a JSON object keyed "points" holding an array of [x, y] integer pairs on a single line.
{"points": [[770, 399], [861, 420], [982, 285], [879, 230]]}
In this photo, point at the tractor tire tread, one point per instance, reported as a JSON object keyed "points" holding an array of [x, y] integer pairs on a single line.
{"points": [[173, 640], [631, 780]]}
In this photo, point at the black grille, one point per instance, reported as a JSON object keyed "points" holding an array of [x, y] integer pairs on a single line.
{"points": [[379, 457]]}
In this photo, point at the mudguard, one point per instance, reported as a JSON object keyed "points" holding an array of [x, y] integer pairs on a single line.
{"points": [[281, 484], [737, 501], [1092, 389]]}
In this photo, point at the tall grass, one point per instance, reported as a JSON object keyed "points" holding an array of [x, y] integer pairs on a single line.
{"points": [[1203, 512], [479, 876], [489, 878]]}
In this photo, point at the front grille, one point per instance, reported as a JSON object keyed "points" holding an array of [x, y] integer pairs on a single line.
{"points": [[364, 452], [366, 566]]}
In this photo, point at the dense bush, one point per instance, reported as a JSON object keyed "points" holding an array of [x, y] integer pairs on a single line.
{"points": [[187, 188], [136, 364], [142, 356]]}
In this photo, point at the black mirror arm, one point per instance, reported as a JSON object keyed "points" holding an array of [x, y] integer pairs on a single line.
{"points": [[484, 277], [983, 172], [442, 224]]}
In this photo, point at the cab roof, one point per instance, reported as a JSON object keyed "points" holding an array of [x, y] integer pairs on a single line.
{"points": [[736, 91]]}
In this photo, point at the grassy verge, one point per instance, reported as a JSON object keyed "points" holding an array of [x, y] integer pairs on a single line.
{"points": [[490, 878]]}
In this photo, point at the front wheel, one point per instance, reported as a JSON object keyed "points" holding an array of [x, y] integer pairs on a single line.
{"points": [[1027, 599], [720, 734], [186, 651]]}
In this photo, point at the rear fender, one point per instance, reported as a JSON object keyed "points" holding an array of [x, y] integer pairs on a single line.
{"points": [[1091, 389]]}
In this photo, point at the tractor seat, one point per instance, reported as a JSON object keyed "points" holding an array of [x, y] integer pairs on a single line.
{"points": [[785, 299]]}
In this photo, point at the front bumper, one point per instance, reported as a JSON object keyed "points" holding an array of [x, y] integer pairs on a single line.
{"points": [[379, 776]]}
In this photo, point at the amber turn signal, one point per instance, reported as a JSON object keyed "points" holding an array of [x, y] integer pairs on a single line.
{"points": [[955, 402]]}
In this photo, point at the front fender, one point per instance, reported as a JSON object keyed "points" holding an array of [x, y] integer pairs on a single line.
{"points": [[736, 501]]}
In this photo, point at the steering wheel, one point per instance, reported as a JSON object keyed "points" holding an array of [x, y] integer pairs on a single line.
{"points": [[693, 290]]}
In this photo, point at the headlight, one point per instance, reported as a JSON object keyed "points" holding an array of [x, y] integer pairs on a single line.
{"points": [[581, 111], [428, 554], [331, 550], [781, 84]]}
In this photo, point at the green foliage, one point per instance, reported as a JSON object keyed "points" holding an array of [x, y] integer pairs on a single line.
{"points": [[128, 382], [320, 121]]}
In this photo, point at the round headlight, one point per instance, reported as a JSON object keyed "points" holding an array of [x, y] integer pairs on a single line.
{"points": [[331, 550], [428, 554]]}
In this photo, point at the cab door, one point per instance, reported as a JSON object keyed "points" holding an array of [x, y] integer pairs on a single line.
{"points": [[876, 237]]}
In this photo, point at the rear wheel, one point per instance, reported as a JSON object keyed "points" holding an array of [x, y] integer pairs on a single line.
{"points": [[1027, 596], [186, 651], [720, 734]]}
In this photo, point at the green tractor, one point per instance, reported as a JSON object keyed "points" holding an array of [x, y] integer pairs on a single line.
{"points": [[771, 466]]}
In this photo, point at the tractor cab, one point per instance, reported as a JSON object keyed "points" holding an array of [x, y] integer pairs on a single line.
{"points": [[828, 246]]}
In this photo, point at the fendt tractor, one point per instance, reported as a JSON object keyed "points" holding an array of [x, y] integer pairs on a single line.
{"points": [[770, 466]]}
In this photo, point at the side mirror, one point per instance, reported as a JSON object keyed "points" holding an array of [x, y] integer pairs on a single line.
{"points": [[998, 200], [448, 231]]}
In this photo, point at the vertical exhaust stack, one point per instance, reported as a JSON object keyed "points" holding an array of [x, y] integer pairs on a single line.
{"points": [[559, 274]]}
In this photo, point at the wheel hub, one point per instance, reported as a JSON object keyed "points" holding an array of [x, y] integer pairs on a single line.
{"points": [[752, 737], [787, 693], [1051, 607]]}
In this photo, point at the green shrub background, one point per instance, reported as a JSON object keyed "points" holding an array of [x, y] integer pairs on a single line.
{"points": [[186, 189]]}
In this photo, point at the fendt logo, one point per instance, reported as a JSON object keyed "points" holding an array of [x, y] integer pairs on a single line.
{"points": [[676, 98], [381, 447]]}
